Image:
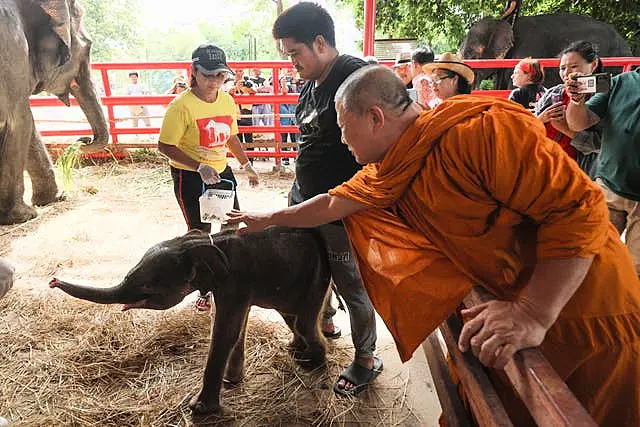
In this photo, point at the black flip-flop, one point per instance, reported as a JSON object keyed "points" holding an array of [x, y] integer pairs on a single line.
{"points": [[337, 333], [359, 376]]}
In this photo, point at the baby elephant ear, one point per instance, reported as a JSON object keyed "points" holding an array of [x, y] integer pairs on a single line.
{"points": [[60, 14]]}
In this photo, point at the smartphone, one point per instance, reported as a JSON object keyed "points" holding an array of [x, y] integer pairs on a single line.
{"points": [[595, 83]]}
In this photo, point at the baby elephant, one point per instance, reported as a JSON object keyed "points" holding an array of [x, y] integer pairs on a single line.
{"points": [[6, 278], [281, 268]]}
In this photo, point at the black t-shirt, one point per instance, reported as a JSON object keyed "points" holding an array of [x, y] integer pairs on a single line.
{"points": [[323, 161], [527, 95]]}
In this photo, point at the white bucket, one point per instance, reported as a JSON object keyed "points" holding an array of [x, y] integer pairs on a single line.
{"points": [[216, 203]]}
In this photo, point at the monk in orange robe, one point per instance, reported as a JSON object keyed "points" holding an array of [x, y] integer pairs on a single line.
{"points": [[473, 193]]}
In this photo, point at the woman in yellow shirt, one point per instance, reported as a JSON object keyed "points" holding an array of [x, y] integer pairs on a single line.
{"points": [[198, 129]]}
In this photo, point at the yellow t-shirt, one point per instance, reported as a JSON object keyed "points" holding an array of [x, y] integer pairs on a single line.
{"points": [[200, 129]]}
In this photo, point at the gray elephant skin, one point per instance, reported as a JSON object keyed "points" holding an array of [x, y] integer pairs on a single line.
{"points": [[45, 48], [6, 276], [542, 36], [281, 268]]}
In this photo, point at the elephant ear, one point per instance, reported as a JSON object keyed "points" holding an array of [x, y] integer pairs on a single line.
{"points": [[207, 256], [501, 39], [59, 12]]}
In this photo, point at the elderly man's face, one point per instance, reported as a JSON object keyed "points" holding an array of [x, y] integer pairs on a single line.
{"points": [[359, 135], [404, 71]]}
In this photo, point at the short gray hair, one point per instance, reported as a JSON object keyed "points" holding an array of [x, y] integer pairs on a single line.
{"points": [[373, 85]]}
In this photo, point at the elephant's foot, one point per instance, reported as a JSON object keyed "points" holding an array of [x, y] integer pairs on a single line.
{"points": [[233, 376], [43, 197], [19, 213], [311, 358], [96, 145], [200, 405]]}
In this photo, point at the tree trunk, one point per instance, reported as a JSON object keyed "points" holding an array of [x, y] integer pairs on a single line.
{"points": [[279, 9]]}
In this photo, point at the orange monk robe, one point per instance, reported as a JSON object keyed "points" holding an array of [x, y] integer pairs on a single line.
{"points": [[474, 193]]}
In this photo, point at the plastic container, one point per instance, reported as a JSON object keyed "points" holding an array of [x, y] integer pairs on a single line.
{"points": [[216, 203]]}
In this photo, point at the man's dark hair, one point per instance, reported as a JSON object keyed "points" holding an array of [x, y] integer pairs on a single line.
{"points": [[462, 87], [422, 55], [303, 22], [133, 73]]}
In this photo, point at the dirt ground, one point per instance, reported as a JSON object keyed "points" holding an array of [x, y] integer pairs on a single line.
{"points": [[113, 213]]}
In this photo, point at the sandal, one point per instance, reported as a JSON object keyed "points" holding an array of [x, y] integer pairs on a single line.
{"points": [[359, 376], [203, 302], [334, 333]]}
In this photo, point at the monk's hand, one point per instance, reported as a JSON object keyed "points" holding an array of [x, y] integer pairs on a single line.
{"points": [[254, 221], [574, 87], [498, 329], [554, 112]]}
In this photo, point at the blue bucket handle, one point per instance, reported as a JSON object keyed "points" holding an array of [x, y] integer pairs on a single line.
{"points": [[233, 187]]}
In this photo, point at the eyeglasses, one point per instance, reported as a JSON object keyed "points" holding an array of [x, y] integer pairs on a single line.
{"points": [[439, 80]]}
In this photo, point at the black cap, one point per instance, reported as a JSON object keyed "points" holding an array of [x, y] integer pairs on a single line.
{"points": [[210, 60]]}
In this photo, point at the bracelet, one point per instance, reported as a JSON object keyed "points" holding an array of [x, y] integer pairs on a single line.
{"points": [[573, 101]]}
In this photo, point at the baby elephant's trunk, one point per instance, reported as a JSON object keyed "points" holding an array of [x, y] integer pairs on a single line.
{"points": [[113, 295]]}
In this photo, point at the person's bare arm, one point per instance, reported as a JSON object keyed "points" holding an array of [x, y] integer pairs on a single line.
{"points": [[319, 210], [175, 154], [499, 328], [579, 117], [235, 146]]}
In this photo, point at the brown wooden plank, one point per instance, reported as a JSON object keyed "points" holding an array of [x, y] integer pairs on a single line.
{"points": [[547, 397], [454, 413], [485, 404]]}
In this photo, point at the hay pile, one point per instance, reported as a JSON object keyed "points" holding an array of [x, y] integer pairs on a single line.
{"points": [[68, 362]]}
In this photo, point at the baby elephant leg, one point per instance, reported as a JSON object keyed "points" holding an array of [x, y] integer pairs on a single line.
{"points": [[229, 319], [6, 277], [235, 365]]}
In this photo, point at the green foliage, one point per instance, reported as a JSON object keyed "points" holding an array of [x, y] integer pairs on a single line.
{"points": [[486, 85], [67, 161], [113, 28], [442, 24]]}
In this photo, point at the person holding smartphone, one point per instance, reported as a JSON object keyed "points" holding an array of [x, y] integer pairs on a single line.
{"points": [[618, 113], [583, 146]]}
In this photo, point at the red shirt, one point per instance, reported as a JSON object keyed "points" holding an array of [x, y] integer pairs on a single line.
{"points": [[559, 137]]}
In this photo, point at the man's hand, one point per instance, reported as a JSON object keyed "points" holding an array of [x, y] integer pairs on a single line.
{"points": [[554, 112], [252, 174], [498, 329], [254, 222], [208, 174]]}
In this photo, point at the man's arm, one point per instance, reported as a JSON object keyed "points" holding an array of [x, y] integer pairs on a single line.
{"points": [[319, 210], [499, 328]]}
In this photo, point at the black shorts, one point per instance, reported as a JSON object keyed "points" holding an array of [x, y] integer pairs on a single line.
{"points": [[187, 186]]}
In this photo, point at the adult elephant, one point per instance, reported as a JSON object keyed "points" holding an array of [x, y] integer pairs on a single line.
{"points": [[45, 48], [542, 36]]}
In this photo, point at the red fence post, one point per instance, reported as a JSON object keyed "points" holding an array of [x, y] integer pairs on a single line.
{"points": [[369, 27]]}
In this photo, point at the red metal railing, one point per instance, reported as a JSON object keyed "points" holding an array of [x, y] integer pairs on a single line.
{"points": [[110, 101]]}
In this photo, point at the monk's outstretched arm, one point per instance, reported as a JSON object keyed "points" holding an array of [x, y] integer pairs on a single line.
{"points": [[319, 210]]}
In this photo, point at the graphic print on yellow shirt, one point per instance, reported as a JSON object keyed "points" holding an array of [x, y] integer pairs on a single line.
{"points": [[200, 129]]}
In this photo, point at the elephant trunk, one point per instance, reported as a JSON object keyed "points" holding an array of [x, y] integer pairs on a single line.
{"points": [[114, 295], [84, 91]]}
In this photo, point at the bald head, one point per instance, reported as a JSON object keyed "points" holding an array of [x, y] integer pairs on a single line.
{"points": [[373, 85]]}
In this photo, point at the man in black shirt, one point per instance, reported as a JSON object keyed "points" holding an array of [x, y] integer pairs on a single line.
{"points": [[307, 34]]}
